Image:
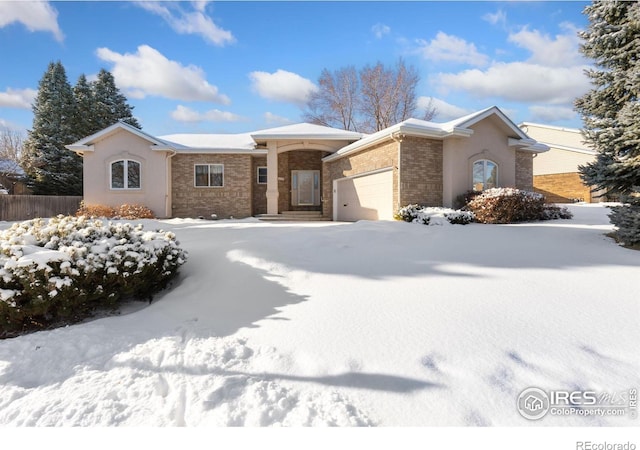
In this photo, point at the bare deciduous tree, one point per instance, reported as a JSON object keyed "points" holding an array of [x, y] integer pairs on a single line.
{"points": [[11, 142], [370, 100]]}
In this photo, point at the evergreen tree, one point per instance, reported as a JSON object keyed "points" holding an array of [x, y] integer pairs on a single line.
{"points": [[109, 104], [84, 121], [611, 110], [50, 167]]}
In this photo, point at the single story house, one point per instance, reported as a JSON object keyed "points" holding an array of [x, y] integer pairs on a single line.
{"points": [[337, 174], [555, 173]]}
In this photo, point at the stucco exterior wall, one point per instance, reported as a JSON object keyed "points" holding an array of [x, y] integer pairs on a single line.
{"points": [[420, 172], [488, 141], [373, 158], [153, 173], [233, 199]]}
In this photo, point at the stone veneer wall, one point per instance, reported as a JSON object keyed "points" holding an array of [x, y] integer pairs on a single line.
{"points": [[380, 156], [562, 187], [524, 170], [421, 172], [233, 199], [259, 191]]}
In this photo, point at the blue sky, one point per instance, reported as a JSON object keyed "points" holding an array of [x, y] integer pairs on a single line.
{"points": [[241, 66]]}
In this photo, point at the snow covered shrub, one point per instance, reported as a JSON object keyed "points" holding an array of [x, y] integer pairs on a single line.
{"points": [[61, 270], [89, 210], [433, 215], [125, 212], [627, 220], [134, 212], [507, 205], [463, 200], [410, 213], [552, 212]]}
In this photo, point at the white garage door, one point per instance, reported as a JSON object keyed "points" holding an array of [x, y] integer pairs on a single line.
{"points": [[369, 197]]}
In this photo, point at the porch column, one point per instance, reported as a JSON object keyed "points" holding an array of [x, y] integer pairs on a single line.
{"points": [[272, 178]]}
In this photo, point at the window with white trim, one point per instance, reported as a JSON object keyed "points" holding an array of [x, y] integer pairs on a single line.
{"points": [[485, 175], [209, 175], [262, 175], [125, 174]]}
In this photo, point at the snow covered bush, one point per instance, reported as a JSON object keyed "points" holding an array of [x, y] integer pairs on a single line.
{"points": [[626, 218], [126, 211], [510, 205], [507, 205], [433, 215], [552, 212], [410, 213], [61, 270]]}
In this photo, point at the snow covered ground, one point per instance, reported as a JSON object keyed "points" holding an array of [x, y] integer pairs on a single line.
{"points": [[372, 323]]}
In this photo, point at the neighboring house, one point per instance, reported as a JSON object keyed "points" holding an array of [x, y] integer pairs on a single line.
{"points": [[555, 173], [11, 176], [337, 174]]}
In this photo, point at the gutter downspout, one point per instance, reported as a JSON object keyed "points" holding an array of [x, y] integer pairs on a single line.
{"points": [[168, 206], [398, 137]]}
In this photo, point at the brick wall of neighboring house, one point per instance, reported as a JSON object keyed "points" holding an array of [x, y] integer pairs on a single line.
{"points": [[562, 187], [259, 191], [296, 160], [524, 170], [420, 172], [234, 199], [373, 158]]}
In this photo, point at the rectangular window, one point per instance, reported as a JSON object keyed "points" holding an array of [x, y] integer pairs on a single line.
{"points": [[209, 175], [262, 175]]}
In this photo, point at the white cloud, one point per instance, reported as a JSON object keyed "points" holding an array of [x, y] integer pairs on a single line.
{"points": [[520, 82], [380, 29], [444, 111], [189, 22], [17, 98], [553, 73], [551, 113], [446, 47], [282, 86], [274, 119], [559, 51], [148, 72], [185, 114], [35, 16], [499, 17]]}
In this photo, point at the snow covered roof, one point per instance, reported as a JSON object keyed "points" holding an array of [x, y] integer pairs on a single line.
{"points": [[306, 131], [86, 144], [185, 142], [458, 127]]}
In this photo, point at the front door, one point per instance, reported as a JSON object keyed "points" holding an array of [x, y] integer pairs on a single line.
{"points": [[305, 187]]}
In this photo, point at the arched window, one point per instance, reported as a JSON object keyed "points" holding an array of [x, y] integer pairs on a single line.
{"points": [[485, 175], [125, 174]]}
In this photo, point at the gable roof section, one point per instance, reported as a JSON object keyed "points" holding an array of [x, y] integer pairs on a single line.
{"points": [[184, 143], [305, 131], [454, 128], [86, 144]]}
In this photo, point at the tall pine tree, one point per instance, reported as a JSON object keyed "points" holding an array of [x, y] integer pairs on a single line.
{"points": [[109, 104], [611, 110], [50, 167], [84, 120]]}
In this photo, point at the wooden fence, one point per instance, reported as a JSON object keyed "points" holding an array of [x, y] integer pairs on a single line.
{"points": [[23, 207]]}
